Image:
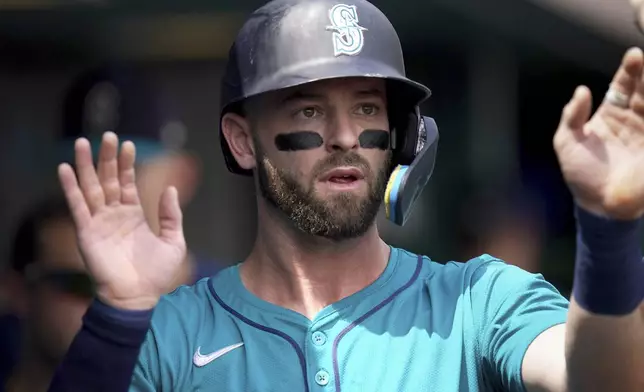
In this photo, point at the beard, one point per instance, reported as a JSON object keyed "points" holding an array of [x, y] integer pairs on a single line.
{"points": [[340, 217]]}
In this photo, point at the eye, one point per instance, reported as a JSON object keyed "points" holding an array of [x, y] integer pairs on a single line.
{"points": [[308, 112], [368, 109]]}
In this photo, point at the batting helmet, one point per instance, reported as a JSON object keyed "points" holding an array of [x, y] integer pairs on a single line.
{"points": [[287, 43]]}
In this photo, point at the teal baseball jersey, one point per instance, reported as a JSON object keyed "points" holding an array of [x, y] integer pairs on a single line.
{"points": [[421, 326]]}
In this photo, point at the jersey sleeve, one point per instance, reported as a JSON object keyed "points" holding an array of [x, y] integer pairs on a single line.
{"points": [[165, 360], [146, 370], [516, 306]]}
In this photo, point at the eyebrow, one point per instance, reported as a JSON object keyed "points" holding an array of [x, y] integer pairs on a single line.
{"points": [[301, 95]]}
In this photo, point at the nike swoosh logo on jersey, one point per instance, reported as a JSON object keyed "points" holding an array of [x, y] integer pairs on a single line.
{"points": [[202, 360]]}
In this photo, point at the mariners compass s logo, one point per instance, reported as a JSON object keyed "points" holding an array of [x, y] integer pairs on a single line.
{"points": [[348, 37]]}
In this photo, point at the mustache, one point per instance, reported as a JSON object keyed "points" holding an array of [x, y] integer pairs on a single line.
{"points": [[342, 159]]}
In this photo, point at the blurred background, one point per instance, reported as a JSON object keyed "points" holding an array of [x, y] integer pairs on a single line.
{"points": [[500, 72]]}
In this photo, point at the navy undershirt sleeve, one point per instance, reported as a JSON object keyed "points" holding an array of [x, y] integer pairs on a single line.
{"points": [[104, 353]]}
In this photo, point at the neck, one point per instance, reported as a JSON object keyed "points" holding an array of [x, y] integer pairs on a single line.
{"points": [[32, 374], [305, 273]]}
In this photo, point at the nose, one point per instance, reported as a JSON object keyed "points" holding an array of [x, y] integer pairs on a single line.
{"points": [[343, 134]]}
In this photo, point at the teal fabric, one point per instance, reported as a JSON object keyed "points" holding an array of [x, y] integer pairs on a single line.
{"points": [[421, 326]]}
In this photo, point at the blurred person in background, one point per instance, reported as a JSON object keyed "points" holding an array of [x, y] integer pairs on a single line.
{"points": [[117, 98], [120, 98], [515, 234], [513, 227], [48, 291], [638, 7]]}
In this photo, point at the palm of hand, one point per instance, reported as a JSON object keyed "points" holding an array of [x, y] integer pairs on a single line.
{"points": [[126, 258], [131, 265], [602, 160]]}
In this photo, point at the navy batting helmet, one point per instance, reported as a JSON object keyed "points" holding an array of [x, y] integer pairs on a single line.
{"points": [[287, 43]]}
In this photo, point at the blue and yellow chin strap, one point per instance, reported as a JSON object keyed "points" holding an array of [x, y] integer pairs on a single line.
{"points": [[407, 181]]}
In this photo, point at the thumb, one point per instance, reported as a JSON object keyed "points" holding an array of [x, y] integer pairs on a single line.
{"points": [[170, 215], [577, 111]]}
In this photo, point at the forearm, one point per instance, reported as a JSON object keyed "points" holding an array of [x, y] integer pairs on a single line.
{"points": [[605, 326], [104, 353], [604, 353]]}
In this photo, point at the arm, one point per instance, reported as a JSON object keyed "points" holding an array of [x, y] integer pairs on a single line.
{"points": [[601, 347], [104, 353], [132, 265]]}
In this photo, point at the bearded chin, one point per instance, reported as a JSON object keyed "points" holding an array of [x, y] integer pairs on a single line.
{"points": [[342, 217]]}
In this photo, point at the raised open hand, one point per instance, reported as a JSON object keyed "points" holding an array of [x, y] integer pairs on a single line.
{"points": [[602, 159], [132, 266]]}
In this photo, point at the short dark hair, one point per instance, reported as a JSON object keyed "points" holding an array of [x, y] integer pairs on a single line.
{"points": [[25, 248]]}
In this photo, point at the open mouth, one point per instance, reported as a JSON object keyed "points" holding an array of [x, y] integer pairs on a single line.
{"points": [[345, 179]]}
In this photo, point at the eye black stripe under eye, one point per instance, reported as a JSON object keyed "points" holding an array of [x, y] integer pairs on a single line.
{"points": [[374, 138], [299, 140]]}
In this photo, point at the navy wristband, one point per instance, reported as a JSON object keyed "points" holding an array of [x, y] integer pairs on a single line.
{"points": [[609, 270]]}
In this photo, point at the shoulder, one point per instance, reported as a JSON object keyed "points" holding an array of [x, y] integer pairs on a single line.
{"points": [[480, 271], [482, 278], [179, 316], [178, 321], [183, 306], [491, 287], [465, 272], [494, 280]]}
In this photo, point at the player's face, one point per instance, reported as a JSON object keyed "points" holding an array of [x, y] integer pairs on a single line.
{"points": [[60, 291], [310, 162]]}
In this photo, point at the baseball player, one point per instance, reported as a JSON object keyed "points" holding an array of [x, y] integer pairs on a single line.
{"points": [[316, 106]]}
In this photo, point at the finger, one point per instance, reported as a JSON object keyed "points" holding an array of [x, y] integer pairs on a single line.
{"points": [[170, 214], [127, 157], [629, 73], [108, 168], [577, 112], [637, 102], [74, 196], [87, 178]]}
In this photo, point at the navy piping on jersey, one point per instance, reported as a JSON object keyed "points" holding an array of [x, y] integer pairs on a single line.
{"points": [[371, 312], [293, 343], [290, 340]]}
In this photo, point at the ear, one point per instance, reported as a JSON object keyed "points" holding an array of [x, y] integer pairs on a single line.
{"points": [[237, 131]]}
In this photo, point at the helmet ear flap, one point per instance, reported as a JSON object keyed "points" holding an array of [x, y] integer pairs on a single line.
{"points": [[405, 137], [407, 181]]}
